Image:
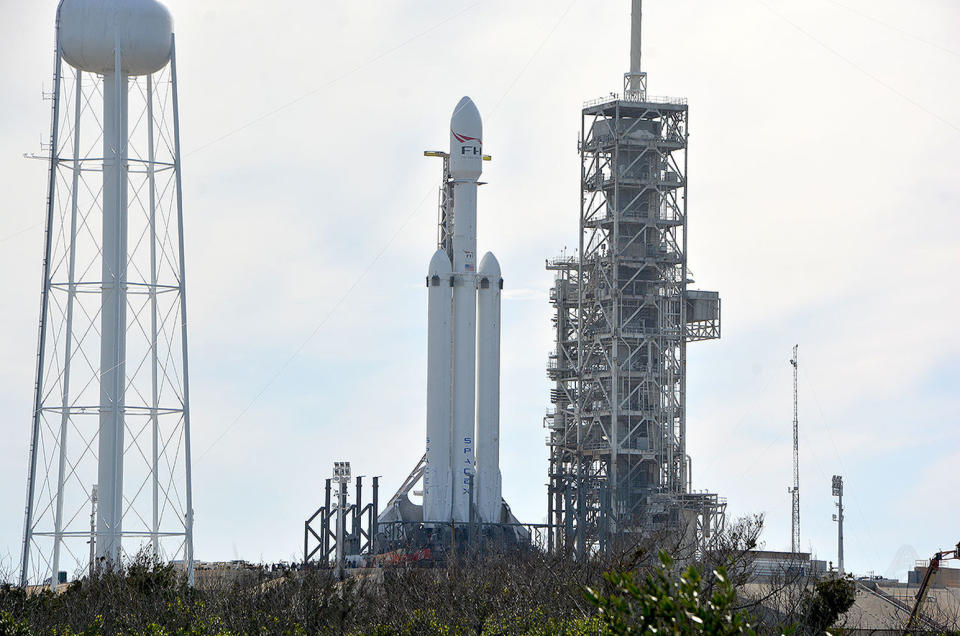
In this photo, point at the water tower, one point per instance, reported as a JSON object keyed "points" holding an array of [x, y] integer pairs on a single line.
{"points": [[109, 467]]}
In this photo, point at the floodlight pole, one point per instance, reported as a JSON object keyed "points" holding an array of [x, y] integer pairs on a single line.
{"points": [[838, 493], [341, 475]]}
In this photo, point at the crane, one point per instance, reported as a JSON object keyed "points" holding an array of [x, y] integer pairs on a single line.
{"points": [[932, 568]]}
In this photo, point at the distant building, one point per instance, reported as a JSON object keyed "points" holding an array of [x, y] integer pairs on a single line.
{"points": [[945, 577], [767, 564]]}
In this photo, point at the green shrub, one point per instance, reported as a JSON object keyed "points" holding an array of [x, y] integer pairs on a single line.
{"points": [[662, 603], [829, 599], [9, 626]]}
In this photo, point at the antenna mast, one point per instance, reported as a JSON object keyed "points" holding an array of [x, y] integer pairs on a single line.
{"points": [[636, 19], [795, 491], [635, 81]]}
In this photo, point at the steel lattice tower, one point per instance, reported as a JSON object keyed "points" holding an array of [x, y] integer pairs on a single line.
{"points": [[623, 317], [795, 489], [109, 468]]}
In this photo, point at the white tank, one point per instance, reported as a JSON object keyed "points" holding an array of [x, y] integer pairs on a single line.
{"points": [[488, 481], [90, 30], [437, 478]]}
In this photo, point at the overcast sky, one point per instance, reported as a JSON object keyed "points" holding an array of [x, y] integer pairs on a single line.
{"points": [[823, 206]]}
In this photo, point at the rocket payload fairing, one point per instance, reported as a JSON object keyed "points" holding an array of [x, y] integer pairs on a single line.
{"points": [[463, 350]]}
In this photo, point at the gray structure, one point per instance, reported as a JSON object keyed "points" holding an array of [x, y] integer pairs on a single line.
{"points": [[623, 317], [338, 530], [943, 577], [765, 565]]}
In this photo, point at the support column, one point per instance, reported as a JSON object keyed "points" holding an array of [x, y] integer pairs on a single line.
{"points": [[68, 338], [187, 452], [154, 361], [113, 315]]}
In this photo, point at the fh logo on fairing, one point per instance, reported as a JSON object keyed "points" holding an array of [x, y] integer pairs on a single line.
{"points": [[467, 150]]}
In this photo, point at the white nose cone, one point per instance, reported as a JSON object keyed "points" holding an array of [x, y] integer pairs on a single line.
{"points": [[440, 266], [490, 268], [466, 145], [91, 30]]}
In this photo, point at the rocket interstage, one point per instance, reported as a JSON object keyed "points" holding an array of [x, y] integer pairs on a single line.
{"points": [[463, 392]]}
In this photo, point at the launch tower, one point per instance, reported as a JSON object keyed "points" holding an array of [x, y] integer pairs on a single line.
{"points": [[619, 468]]}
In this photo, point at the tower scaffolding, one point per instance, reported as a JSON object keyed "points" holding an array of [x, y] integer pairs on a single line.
{"points": [[623, 315]]}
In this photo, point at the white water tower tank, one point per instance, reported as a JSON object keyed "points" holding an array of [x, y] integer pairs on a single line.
{"points": [[90, 30]]}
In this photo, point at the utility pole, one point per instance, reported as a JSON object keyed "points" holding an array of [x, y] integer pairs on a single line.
{"points": [[838, 493], [795, 490]]}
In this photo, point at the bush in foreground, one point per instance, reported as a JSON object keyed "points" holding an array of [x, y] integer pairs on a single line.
{"points": [[527, 593]]}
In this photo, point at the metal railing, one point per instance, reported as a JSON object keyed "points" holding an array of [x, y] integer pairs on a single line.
{"points": [[636, 97], [468, 534], [563, 262]]}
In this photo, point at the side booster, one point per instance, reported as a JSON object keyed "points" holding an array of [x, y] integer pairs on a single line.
{"points": [[463, 350]]}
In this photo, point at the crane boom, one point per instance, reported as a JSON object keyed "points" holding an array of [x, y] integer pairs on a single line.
{"points": [[932, 568]]}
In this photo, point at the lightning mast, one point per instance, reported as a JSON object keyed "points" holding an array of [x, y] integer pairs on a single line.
{"points": [[795, 490]]}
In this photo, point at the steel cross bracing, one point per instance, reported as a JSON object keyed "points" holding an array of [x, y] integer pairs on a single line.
{"points": [[623, 316], [445, 210], [360, 525], [154, 413]]}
